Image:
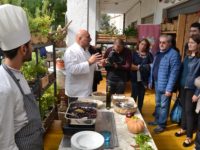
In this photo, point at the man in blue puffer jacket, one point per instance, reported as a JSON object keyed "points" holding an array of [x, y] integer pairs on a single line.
{"points": [[164, 74]]}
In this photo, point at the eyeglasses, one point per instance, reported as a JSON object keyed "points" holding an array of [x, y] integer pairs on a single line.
{"points": [[162, 42]]}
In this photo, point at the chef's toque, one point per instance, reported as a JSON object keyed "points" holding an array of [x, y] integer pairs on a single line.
{"points": [[14, 29]]}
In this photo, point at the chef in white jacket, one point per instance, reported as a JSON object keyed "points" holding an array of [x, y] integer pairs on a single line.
{"points": [[20, 122], [80, 66]]}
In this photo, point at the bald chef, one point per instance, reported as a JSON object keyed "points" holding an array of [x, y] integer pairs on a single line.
{"points": [[20, 122]]}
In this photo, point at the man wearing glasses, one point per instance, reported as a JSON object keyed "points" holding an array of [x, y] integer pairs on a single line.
{"points": [[164, 73]]}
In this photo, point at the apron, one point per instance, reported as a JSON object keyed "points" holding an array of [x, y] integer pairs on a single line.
{"points": [[30, 137]]}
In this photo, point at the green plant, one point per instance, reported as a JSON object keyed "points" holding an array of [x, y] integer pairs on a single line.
{"points": [[130, 31], [40, 24], [105, 27], [47, 101], [31, 70], [142, 140]]}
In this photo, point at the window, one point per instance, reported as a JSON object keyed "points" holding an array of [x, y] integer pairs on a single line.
{"points": [[148, 19], [134, 24]]}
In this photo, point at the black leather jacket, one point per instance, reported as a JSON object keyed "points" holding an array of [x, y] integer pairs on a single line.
{"points": [[193, 71]]}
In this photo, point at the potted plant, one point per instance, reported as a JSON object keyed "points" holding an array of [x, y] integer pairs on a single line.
{"points": [[32, 71], [131, 33], [58, 36], [39, 27]]}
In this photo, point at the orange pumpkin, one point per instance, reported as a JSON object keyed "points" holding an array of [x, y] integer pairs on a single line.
{"points": [[135, 125]]}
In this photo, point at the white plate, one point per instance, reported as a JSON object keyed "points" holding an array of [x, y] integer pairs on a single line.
{"points": [[118, 96], [98, 102], [87, 140]]}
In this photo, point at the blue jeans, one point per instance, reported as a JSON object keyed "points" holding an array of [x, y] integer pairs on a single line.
{"points": [[138, 91], [117, 87], [162, 107]]}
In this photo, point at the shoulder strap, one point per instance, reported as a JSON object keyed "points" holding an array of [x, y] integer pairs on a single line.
{"points": [[13, 77]]}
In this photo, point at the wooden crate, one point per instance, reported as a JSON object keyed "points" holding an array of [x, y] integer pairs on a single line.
{"points": [[163, 27]]}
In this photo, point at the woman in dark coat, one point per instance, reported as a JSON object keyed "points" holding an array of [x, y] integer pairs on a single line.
{"points": [[188, 92], [141, 60]]}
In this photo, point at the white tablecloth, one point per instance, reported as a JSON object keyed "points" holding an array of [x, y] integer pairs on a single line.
{"points": [[125, 138]]}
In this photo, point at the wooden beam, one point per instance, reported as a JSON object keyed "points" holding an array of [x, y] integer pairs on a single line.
{"points": [[181, 33]]}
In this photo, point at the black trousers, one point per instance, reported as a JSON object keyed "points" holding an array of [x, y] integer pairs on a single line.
{"points": [[189, 117], [138, 92], [117, 87], [197, 141]]}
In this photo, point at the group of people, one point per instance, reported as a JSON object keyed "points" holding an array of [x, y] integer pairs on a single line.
{"points": [[165, 72], [20, 122], [168, 74]]}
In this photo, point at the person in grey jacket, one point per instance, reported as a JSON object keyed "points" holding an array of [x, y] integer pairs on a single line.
{"points": [[197, 140], [188, 92]]}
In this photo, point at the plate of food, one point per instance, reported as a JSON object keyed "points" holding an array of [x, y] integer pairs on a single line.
{"points": [[119, 98], [90, 100], [99, 96], [81, 113], [125, 107]]}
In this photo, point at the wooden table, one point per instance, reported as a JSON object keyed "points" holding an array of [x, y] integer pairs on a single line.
{"points": [[125, 138]]}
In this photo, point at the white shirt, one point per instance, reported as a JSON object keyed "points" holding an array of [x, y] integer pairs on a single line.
{"points": [[12, 113], [79, 74]]}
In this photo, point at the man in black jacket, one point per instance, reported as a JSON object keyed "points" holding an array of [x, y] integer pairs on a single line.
{"points": [[117, 64]]}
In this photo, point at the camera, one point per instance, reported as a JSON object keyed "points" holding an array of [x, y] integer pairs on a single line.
{"points": [[114, 57]]}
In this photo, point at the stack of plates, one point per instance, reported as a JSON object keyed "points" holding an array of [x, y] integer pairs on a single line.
{"points": [[87, 140]]}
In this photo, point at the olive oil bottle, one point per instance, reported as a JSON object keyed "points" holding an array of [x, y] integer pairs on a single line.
{"points": [[108, 97]]}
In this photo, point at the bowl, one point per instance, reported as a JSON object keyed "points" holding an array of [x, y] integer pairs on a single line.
{"points": [[119, 98], [99, 96], [98, 102], [87, 140], [125, 107]]}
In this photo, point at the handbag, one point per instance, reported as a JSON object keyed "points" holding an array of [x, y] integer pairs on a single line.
{"points": [[176, 111]]}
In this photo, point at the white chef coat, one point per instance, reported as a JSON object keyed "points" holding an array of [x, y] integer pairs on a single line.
{"points": [[79, 74], [12, 113]]}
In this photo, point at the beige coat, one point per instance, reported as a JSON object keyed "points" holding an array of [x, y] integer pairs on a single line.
{"points": [[197, 84]]}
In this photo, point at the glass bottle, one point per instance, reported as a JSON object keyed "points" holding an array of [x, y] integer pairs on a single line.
{"points": [[108, 98]]}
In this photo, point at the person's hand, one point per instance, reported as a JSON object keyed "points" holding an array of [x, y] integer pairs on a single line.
{"points": [[149, 86], [168, 94], [94, 58], [115, 65], [134, 67], [194, 98], [102, 62]]}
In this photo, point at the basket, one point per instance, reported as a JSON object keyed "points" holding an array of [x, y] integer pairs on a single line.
{"points": [[125, 107], [99, 96]]}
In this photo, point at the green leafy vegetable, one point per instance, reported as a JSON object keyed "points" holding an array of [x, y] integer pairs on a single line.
{"points": [[146, 146], [142, 140]]}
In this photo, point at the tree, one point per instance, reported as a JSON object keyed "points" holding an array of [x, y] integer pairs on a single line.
{"points": [[105, 26], [54, 8]]}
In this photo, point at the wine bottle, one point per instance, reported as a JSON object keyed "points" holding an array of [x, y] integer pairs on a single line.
{"points": [[108, 98]]}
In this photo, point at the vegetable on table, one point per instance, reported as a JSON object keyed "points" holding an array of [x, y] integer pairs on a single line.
{"points": [[142, 142]]}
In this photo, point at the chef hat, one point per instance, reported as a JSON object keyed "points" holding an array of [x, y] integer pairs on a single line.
{"points": [[14, 30]]}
